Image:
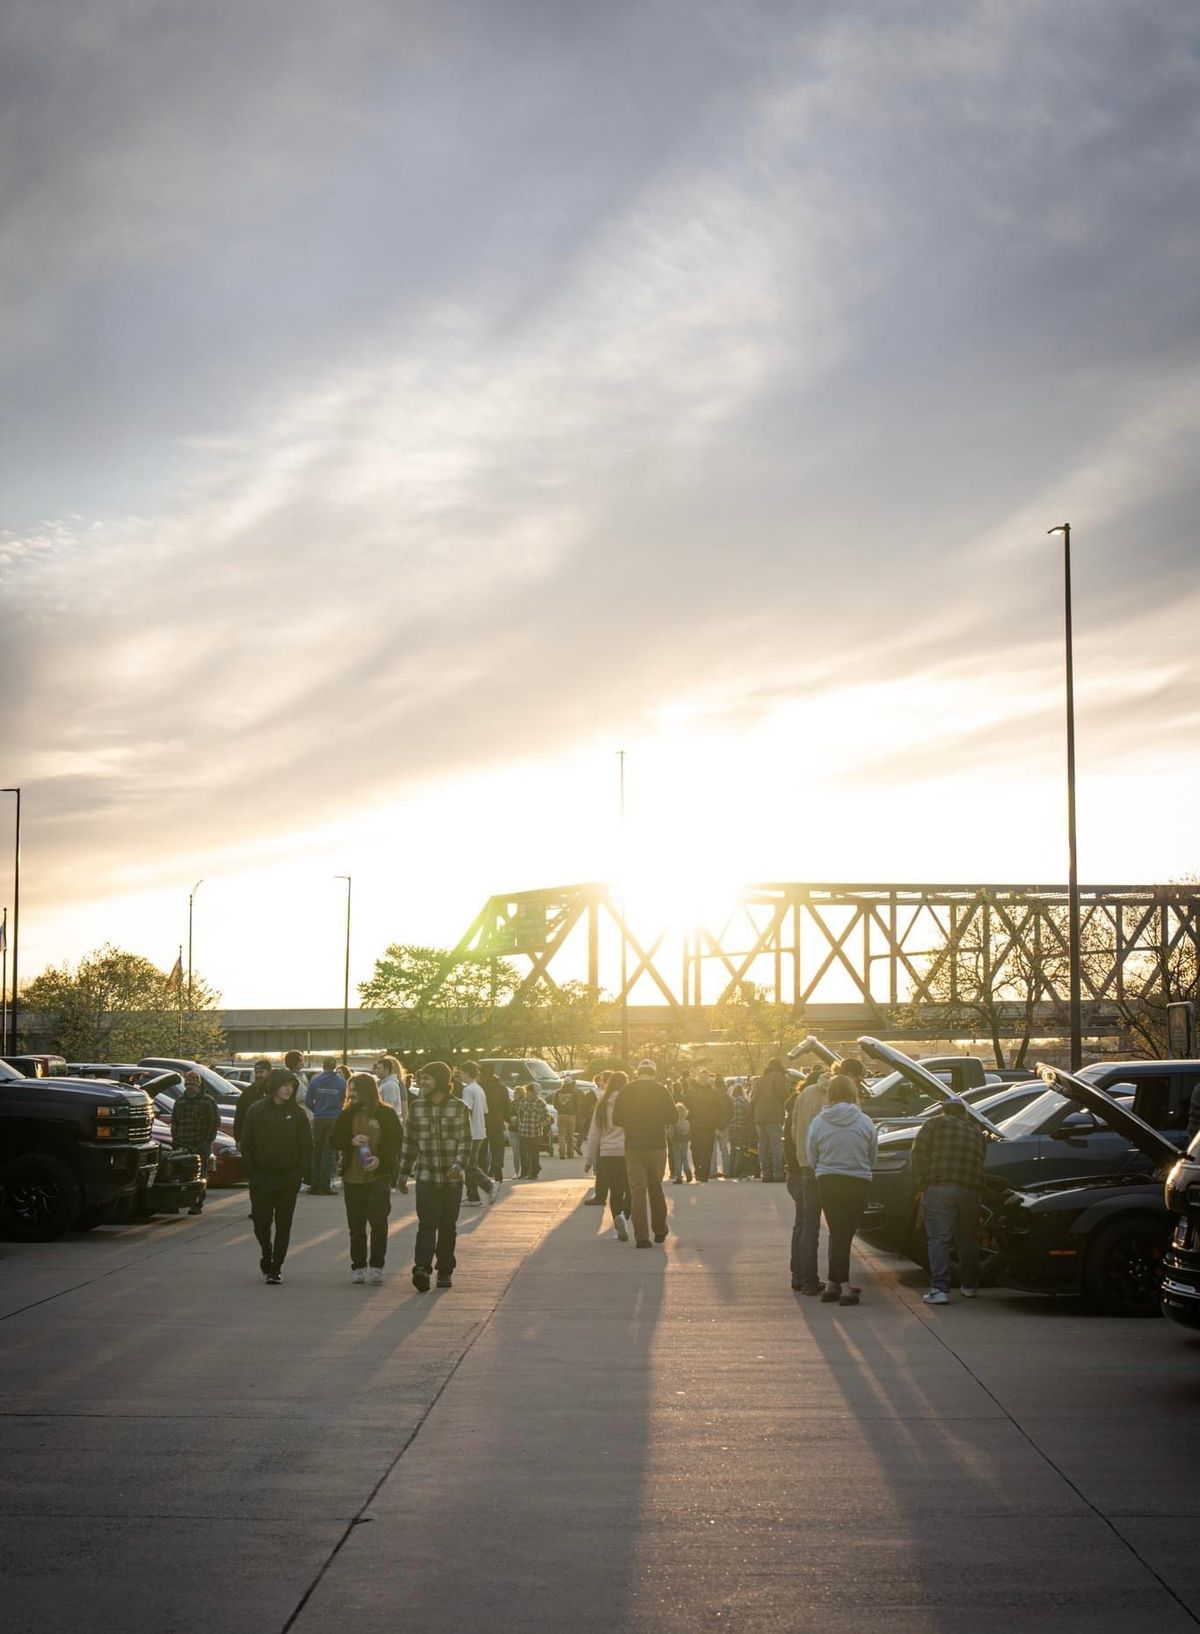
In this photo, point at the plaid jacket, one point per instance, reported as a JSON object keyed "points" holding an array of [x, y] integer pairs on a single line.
{"points": [[437, 1138], [194, 1122], [949, 1151], [533, 1118]]}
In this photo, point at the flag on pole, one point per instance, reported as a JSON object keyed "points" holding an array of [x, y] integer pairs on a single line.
{"points": [[175, 979], [4, 934]]}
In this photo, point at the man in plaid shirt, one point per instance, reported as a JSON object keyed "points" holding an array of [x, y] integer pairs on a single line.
{"points": [[195, 1119], [533, 1124], [437, 1141], [947, 1161]]}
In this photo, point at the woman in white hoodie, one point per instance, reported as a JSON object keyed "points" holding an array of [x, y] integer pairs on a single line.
{"points": [[841, 1149], [605, 1152]]}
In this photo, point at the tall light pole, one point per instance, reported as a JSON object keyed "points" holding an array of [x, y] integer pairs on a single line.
{"points": [[1072, 857], [14, 1008], [346, 978], [624, 934], [191, 902]]}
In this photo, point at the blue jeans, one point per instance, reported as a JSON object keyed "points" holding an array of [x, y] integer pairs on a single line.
{"points": [[770, 1150], [952, 1215], [722, 1144], [806, 1229], [679, 1159]]}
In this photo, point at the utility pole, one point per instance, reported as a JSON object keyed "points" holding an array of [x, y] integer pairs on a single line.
{"points": [[15, 1006], [1072, 853], [624, 933], [4, 987], [346, 978]]}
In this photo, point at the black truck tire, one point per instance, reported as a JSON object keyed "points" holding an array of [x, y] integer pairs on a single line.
{"points": [[1120, 1269], [39, 1198]]}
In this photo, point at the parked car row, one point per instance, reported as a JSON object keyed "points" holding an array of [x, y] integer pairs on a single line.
{"points": [[1086, 1190]]}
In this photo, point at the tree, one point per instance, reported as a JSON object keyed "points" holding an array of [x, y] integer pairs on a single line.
{"points": [[429, 1004], [564, 1021], [988, 978], [1155, 975], [117, 1006], [753, 1026]]}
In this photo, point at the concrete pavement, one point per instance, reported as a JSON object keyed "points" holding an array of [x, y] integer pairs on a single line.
{"points": [[577, 1436]]}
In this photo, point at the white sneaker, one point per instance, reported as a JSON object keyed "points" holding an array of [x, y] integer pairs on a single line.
{"points": [[621, 1226], [472, 1202], [358, 1274], [490, 1197], [375, 1274], [935, 1296], [968, 1293]]}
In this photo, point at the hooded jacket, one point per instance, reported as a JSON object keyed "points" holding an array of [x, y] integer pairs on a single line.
{"points": [[277, 1141], [604, 1138], [770, 1095], [842, 1140]]}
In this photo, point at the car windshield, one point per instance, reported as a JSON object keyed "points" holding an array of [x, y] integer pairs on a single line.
{"points": [[10, 1073], [539, 1069], [1036, 1115], [882, 1086]]}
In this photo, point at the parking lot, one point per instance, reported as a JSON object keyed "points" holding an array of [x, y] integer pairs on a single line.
{"points": [[576, 1436]]}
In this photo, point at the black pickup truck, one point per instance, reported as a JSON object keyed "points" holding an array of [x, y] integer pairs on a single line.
{"points": [[71, 1153]]}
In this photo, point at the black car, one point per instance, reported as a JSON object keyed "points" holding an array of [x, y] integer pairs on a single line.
{"points": [[1099, 1235], [1180, 1291]]}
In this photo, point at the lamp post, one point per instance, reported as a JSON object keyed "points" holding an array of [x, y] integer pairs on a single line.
{"points": [[4, 984], [1072, 857], [191, 903], [624, 933], [12, 1043], [346, 978]]}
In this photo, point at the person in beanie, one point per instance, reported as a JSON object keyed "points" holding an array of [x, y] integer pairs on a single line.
{"points": [[947, 1161], [277, 1152], [253, 1091], [842, 1142], [645, 1109], [367, 1135], [437, 1142], [195, 1120]]}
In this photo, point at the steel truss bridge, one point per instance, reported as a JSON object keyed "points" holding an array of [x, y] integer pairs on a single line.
{"points": [[842, 956]]}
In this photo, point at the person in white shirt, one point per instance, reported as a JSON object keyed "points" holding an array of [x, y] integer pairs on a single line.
{"points": [[475, 1102], [391, 1085]]}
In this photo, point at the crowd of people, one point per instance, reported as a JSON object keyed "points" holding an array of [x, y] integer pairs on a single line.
{"points": [[449, 1131]]}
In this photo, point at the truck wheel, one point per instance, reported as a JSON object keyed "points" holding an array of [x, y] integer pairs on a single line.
{"points": [[1120, 1271], [41, 1198]]}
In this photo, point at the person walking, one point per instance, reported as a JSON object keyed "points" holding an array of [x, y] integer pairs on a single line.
{"points": [[645, 1109], [947, 1160], [367, 1135], [802, 1183], [325, 1099], [566, 1104], [277, 1151], [599, 1194], [475, 1102], [585, 1106], [533, 1125], [604, 1152], [743, 1137], [704, 1108], [770, 1095], [392, 1090], [681, 1168], [499, 1105], [437, 1140], [254, 1091], [195, 1119], [842, 1142]]}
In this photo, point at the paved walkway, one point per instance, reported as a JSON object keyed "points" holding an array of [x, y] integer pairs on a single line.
{"points": [[577, 1437]]}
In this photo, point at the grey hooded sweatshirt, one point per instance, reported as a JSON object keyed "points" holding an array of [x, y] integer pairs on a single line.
{"points": [[842, 1140]]}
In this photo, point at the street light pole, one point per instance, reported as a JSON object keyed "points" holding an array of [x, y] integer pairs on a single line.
{"points": [[1072, 853], [15, 1005], [191, 902], [624, 932], [346, 978]]}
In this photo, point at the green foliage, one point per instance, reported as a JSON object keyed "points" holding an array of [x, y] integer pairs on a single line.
{"points": [[563, 1022], [752, 1026], [427, 1003], [117, 1006]]}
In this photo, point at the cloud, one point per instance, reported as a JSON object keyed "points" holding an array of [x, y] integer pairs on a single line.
{"points": [[419, 389]]}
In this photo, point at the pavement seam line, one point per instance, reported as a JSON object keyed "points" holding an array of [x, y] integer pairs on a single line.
{"points": [[358, 1517], [932, 1328]]}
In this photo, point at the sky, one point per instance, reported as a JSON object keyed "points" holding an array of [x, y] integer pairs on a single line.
{"points": [[405, 407]]}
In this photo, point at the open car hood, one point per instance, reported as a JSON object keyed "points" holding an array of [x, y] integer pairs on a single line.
{"points": [[923, 1079], [814, 1045], [1115, 1113]]}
